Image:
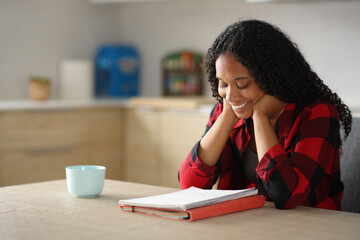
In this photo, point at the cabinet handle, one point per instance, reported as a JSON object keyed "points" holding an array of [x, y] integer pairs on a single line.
{"points": [[49, 110], [44, 150]]}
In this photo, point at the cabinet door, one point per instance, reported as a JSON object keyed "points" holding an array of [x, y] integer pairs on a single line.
{"points": [[105, 135], [41, 164], [22, 130], [180, 132], [141, 141], [38, 145]]}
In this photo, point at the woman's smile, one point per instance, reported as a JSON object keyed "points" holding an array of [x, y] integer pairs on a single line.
{"points": [[240, 108]]}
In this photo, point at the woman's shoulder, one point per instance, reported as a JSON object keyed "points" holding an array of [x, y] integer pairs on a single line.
{"points": [[320, 108]]}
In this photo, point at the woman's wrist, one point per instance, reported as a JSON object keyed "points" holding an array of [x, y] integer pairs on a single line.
{"points": [[212, 144], [257, 116], [229, 118], [265, 136]]}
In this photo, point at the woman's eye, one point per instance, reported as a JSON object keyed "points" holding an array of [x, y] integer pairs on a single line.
{"points": [[223, 85], [243, 86]]}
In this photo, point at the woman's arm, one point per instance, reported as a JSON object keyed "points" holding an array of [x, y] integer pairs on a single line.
{"points": [[265, 115], [212, 144], [193, 171], [306, 173]]}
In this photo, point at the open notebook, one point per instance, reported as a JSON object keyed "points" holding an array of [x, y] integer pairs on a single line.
{"points": [[194, 203]]}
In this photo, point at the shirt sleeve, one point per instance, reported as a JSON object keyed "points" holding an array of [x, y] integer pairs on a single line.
{"points": [[193, 171], [291, 175]]}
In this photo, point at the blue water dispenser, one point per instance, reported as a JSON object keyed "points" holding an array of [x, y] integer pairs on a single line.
{"points": [[117, 69]]}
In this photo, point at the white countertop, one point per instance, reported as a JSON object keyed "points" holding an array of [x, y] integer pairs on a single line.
{"points": [[60, 104], [176, 105], [11, 105]]}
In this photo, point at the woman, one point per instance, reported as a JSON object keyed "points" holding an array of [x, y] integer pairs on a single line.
{"points": [[276, 126]]}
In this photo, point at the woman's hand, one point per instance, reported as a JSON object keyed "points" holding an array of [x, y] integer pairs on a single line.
{"points": [[212, 144], [229, 112], [265, 114], [270, 107]]}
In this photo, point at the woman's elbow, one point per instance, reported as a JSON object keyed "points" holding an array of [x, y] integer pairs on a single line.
{"points": [[286, 206], [287, 203]]}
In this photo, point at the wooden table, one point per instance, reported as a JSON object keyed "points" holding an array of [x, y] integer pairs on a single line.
{"points": [[47, 211]]}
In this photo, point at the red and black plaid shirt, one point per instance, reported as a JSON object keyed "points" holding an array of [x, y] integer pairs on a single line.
{"points": [[303, 169]]}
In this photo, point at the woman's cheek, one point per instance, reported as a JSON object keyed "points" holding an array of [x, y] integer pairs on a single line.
{"points": [[222, 93]]}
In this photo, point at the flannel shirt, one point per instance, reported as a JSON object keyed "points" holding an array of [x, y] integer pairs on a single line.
{"points": [[303, 169]]}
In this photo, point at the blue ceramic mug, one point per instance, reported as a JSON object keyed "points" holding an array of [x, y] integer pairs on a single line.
{"points": [[85, 181]]}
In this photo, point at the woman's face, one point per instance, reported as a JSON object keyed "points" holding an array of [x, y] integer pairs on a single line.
{"points": [[237, 85]]}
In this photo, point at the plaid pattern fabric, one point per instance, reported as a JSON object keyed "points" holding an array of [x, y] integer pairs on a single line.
{"points": [[303, 169]]}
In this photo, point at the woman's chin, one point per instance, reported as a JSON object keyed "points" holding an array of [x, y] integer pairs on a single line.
{"points": [[244, 115]]}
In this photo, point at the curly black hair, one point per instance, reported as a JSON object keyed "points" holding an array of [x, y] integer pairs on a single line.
{"points": [[276, 64]]}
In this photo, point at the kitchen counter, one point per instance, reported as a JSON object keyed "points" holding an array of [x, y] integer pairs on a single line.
{"points": [[172, 102], [60, 104], [191, 105], [186, 103]]}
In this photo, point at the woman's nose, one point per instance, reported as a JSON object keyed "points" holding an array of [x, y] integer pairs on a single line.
{"points": [[232, 94]]}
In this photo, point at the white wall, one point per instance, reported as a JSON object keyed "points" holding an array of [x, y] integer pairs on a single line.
{"points": [[35, 35], [328, 33]]}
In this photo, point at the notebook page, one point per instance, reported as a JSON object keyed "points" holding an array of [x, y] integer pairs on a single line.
{"points": [[189, 198]]}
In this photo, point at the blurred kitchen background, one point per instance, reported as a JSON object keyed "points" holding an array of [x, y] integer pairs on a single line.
{"points": [[59, 42], [36, 35]]}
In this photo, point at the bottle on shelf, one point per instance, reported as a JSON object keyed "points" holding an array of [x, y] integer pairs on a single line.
{"points": [[182, 75]]}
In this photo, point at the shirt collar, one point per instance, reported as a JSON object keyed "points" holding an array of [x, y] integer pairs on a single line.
{"points": [[240, 123]]}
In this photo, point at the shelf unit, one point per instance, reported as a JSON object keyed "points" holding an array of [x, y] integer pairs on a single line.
{"points": [[182, 74]]}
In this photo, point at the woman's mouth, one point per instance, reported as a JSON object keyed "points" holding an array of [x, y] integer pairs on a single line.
{"points": [[241, 107]]}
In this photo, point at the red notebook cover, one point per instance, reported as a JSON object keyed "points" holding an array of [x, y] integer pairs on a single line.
{"points": [[222, 208]]}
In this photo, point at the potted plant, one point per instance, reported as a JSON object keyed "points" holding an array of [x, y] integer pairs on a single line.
{"points": [[39, 88]]}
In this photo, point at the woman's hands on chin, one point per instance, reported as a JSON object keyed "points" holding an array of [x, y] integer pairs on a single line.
{"points": [[265, 115], [229, 112], [270, 107]]}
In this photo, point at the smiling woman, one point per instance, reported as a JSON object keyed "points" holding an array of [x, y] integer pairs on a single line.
{"points": [[276, 126], [237, 86]]}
